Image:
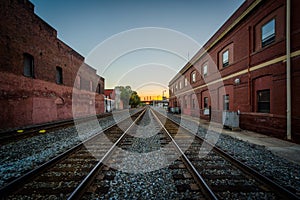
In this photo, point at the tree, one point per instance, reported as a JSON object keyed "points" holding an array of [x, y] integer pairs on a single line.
{"points": [[125, 94], [135, 100], [128, 96]]}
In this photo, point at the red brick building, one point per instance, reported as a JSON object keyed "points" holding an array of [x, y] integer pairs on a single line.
{"points": [[38, 72], [113, 99], [244, 67], [109, 93]]}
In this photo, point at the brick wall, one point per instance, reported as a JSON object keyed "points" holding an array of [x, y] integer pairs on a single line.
{"points": [[245, 51], [39, 99]]}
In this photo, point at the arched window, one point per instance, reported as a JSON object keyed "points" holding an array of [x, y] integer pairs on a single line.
{"points": [[193, 77]]}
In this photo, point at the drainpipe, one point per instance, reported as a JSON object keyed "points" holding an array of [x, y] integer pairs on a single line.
{"points": [[288, 69], [249, 74]]}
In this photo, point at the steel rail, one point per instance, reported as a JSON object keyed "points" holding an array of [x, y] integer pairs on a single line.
{"points": [[30, 131], [33, 130], [79, 191], [16, 184], [201, 180], [245, 168]]}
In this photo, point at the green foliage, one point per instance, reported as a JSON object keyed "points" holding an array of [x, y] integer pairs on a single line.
{"points": [[128, 96], [135, 100]]}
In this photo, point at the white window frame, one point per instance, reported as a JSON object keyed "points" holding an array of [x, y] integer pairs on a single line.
{"points": [[204, 70], [268, 32], [225, 58], [193, 76]]}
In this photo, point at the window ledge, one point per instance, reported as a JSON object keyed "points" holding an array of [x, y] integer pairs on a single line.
{"points": [[261, 49], [262, 114]]}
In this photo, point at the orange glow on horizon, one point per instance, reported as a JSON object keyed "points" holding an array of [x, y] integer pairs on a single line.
{"points": [[152, 96], [152, 91]]}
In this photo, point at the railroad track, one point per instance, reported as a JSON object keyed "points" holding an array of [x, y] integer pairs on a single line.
{"points": [[177, 180], [23, 133], [89, 172], [227, 177], [105, 167], [58, 177]]}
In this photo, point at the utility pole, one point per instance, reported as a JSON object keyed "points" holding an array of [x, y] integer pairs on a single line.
{"points": [[162, 98]]}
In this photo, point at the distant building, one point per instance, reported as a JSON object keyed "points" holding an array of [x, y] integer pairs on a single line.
{"points": [[242, 68], [38, 72], [113, 100], [109, 100]]}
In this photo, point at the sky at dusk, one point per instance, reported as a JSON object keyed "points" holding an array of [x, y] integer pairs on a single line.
{"points": [[138, 43]]}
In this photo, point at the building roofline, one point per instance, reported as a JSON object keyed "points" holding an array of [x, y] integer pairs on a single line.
{"points": [[230, 24]]}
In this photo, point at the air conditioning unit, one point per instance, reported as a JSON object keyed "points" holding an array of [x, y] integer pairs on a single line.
{"points": [[231, 120]]}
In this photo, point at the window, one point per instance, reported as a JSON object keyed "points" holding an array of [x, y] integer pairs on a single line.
{"points": [[185, 82], [193, 103], [78, 82], [204, 70], [206, 110], [81, 83], [193, 77], [226, 102], [205, 102], [28, 65], [99, 89], [263, 101], [59, 75], [185, 101], [91, 85], [268, 33], [180, 86], [225, 58]]}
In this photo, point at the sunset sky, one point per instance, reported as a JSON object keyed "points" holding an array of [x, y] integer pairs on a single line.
{"points": [[140, 43]]}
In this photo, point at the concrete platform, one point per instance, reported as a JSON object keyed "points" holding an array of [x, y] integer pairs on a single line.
{"points": [[281, 148]]}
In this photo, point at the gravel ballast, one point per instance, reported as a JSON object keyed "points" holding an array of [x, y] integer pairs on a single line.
{"points": [[282, 171], [19, 157]]}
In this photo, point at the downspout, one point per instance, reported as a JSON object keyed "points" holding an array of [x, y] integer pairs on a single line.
{"points": [[249, 74], [288, 70]]}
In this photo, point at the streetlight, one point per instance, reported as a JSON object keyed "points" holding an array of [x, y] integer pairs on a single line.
{"points": [[163, 94]]}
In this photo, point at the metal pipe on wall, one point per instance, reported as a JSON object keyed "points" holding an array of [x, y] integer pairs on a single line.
{"points": [[249, 73], [288, 69]]}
